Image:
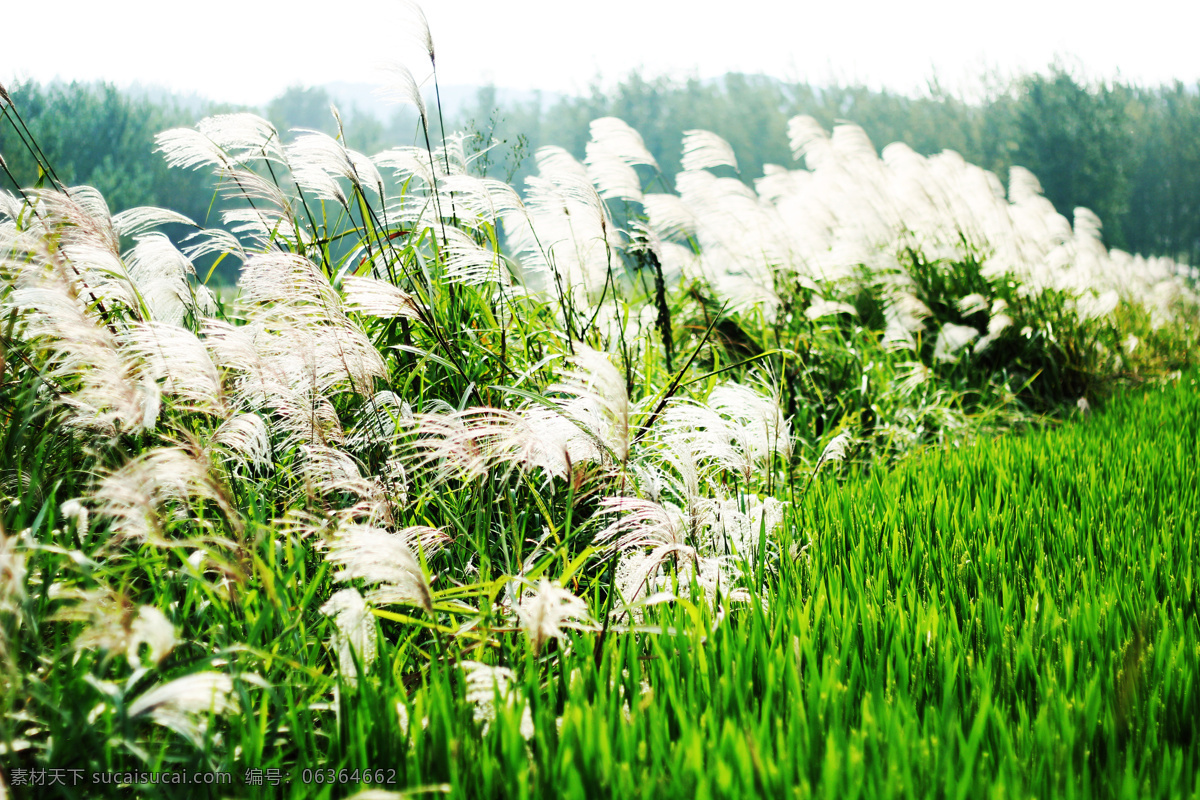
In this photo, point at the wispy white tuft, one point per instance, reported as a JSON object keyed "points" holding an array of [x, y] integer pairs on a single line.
{"points": [[246, 438], [705, 150], [354, 631], [547, 610], [185, 704], [139, 220], [386, 559], [836, 450], [821, 308], [417, 26], [951, 339], [403, 88], [135, 497], [177, 358], [599, 402], [484, 685]]}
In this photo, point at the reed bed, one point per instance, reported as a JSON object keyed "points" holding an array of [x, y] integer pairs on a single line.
{"points": [[584, 490]]}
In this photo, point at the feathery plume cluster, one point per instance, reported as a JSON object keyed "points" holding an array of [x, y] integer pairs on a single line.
{"points": [[705, 150], [185, 704], [590, 423], [282, 391], [549, 608], [354, 632], [117, 626], [484, 684], [12, 575], [135, 497], [564, 237], [386, 559]]}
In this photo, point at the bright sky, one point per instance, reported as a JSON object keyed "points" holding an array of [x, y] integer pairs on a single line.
{"points": [[246, 51]]}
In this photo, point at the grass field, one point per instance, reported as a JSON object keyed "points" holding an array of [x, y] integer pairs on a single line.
{"points": [[1015, 618], [1012, 618]]}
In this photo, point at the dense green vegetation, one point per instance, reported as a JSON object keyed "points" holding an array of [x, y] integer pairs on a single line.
{"points": [[585, 490]]}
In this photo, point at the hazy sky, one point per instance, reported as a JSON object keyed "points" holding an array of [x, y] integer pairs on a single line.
{"points": [[249, 51]]}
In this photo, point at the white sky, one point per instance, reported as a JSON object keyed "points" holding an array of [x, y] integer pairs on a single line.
{"points": [[249, 51]]}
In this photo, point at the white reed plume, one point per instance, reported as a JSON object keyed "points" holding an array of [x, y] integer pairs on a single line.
{"points": [[700, 432], [386, 559], [12, 574], [641, 582], [481, 440], [682, 454], [188, 148], [418, 27], [911, 376], [246, 439], [298, 415], [973, 303], [140, 220], [318, 347], [484, 684], [614, 150], [325, 470], [548, 609], [271, 214], [80, 216], [317, 159], [622, 141], [213, 241], [951, 340], [1089, 305], [104, 394], [642, 524], [467, 261], [905, 315], [821, 308], [737, 429], [223, 141], [160, 273], [670, 217], [565, 232], [380, 420], [408, 163], [354, 632], [740, 521], [291, 281], [836, 450], [599, 400], [705, 150], [479, 201], [135, 496], [115, 625], [179, 359], [376, 298], [758, 424], [248, 136], [185, 704], [613, 178], [403, 88], [809, 141]]}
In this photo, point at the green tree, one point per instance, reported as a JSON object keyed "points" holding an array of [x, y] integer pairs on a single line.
{"points": [[1079, 142]]}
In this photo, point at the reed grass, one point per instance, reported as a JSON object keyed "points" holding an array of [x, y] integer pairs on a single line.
{"points": [[593, 491]]}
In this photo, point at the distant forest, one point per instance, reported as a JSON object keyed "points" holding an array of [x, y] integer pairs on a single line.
{"points": [[1129, 153]]}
